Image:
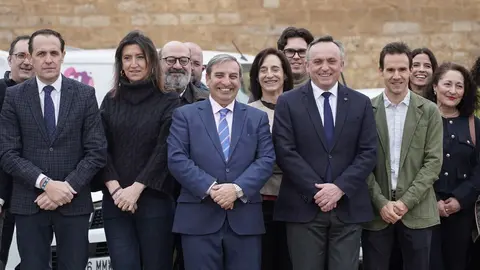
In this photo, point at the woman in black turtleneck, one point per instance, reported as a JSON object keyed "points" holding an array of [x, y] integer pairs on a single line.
{"points": [[138, 205]]}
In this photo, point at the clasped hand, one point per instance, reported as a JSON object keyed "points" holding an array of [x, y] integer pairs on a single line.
{"points": [[393, 211], [448, 207], [224, 195], [57, 193], [126, 198], [328, 196]]}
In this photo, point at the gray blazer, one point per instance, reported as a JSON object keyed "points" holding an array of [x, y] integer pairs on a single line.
{"points": [[76, 153]]}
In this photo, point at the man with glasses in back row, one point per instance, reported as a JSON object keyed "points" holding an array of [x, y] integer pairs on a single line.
{"points": [[20, 70], [293, 42]]}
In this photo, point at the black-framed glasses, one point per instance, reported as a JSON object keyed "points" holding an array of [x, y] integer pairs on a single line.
{"points": [[290, 53], [171, 60], [22, 56]]}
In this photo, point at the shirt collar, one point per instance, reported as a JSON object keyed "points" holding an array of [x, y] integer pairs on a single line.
{"points": [[57, 84], [217, 107], [388, 103], [317, 92]]}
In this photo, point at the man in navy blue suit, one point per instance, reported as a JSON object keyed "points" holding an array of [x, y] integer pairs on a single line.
{"points": [[221, 152], [325, 141]]}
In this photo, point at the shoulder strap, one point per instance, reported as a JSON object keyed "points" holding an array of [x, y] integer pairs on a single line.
{"points": [[471, 126]]}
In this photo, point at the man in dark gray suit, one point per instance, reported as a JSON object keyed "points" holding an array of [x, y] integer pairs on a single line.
{"points": [[52, 143]]}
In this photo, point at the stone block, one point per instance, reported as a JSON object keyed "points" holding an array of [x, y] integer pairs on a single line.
{"points": [[399, 27], [95, 21], [229, 18], [165, 19], [197, 19]]}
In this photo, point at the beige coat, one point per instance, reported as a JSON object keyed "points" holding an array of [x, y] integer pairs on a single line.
{"points": [[273, 184]]}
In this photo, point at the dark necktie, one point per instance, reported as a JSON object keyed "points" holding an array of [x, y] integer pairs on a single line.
{"points": [[49, 111], [329, 130]]}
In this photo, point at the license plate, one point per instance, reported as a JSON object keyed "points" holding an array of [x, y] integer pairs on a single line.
{"points": [[102, 263]]}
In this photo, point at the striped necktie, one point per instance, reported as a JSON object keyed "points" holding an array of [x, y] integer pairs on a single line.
{"points": [[224, 133]]}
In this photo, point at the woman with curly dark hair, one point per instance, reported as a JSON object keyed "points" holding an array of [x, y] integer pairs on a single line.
{"points": [[453, 90]]}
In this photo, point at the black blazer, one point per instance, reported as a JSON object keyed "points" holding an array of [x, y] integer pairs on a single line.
{"points": [[302, 154], [76, 153], [5, 179]]}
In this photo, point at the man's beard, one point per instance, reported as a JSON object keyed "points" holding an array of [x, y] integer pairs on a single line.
{"points": [[177, 82]]}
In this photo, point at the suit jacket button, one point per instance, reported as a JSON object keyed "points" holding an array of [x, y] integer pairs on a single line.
{"points": [[330, 156], [51, 149], [227, 170], [446, 173]]}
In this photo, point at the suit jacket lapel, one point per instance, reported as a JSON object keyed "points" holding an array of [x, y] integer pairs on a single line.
{"points": [[206, 114], [66, 97], [239, 115], [34, 102], [414, 114], [382, 128], [312, 109], [341, 114]]}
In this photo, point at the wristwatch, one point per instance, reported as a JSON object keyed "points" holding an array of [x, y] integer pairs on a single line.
{"points": [[239, 191]]}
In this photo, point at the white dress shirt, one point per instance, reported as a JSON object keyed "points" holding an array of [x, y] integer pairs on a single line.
{"points": [[216, 114], [56, 93], [396, 115], [319, 99]]}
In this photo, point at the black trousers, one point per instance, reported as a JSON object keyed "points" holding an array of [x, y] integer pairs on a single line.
{"points": [[324, 243], [414, 245], [35, 234], [275, 254], [143, 240], [451, 241]]}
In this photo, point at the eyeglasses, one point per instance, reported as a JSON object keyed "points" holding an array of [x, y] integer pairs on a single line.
{"points": [[171, 60], [290, 53], [22, 56]]}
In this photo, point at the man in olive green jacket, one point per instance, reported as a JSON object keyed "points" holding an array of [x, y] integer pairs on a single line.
{"points": [[410, 149]]}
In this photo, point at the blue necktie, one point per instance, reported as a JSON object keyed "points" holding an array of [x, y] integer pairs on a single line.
{"points": [[49, 110], [329, 130], [223, 132]]}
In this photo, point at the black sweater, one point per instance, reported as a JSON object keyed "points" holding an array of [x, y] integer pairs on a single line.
{"points": [[137, 123]]}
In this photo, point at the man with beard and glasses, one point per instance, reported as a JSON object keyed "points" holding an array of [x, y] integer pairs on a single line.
{"points": [[293, 42], [176, 65], [21, 70], [197, 65]]}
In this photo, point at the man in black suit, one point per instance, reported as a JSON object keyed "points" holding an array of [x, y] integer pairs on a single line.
{"points": [[20, 70], [325, 142], [52, 143]]}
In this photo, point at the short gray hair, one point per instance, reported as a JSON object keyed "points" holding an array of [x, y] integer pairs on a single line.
{"points": [[326, 39], [222, 58]]}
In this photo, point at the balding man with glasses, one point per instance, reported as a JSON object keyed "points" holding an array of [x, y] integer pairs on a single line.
{"points": [[176, 65]]}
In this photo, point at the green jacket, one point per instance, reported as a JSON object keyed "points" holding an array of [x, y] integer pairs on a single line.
{"points": [[421, 158]]}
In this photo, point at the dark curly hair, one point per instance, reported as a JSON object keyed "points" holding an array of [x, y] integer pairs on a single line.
{"points": [[469, 102]]}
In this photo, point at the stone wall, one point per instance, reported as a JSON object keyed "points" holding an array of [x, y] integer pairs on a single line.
{"points": [[451, 28]]}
